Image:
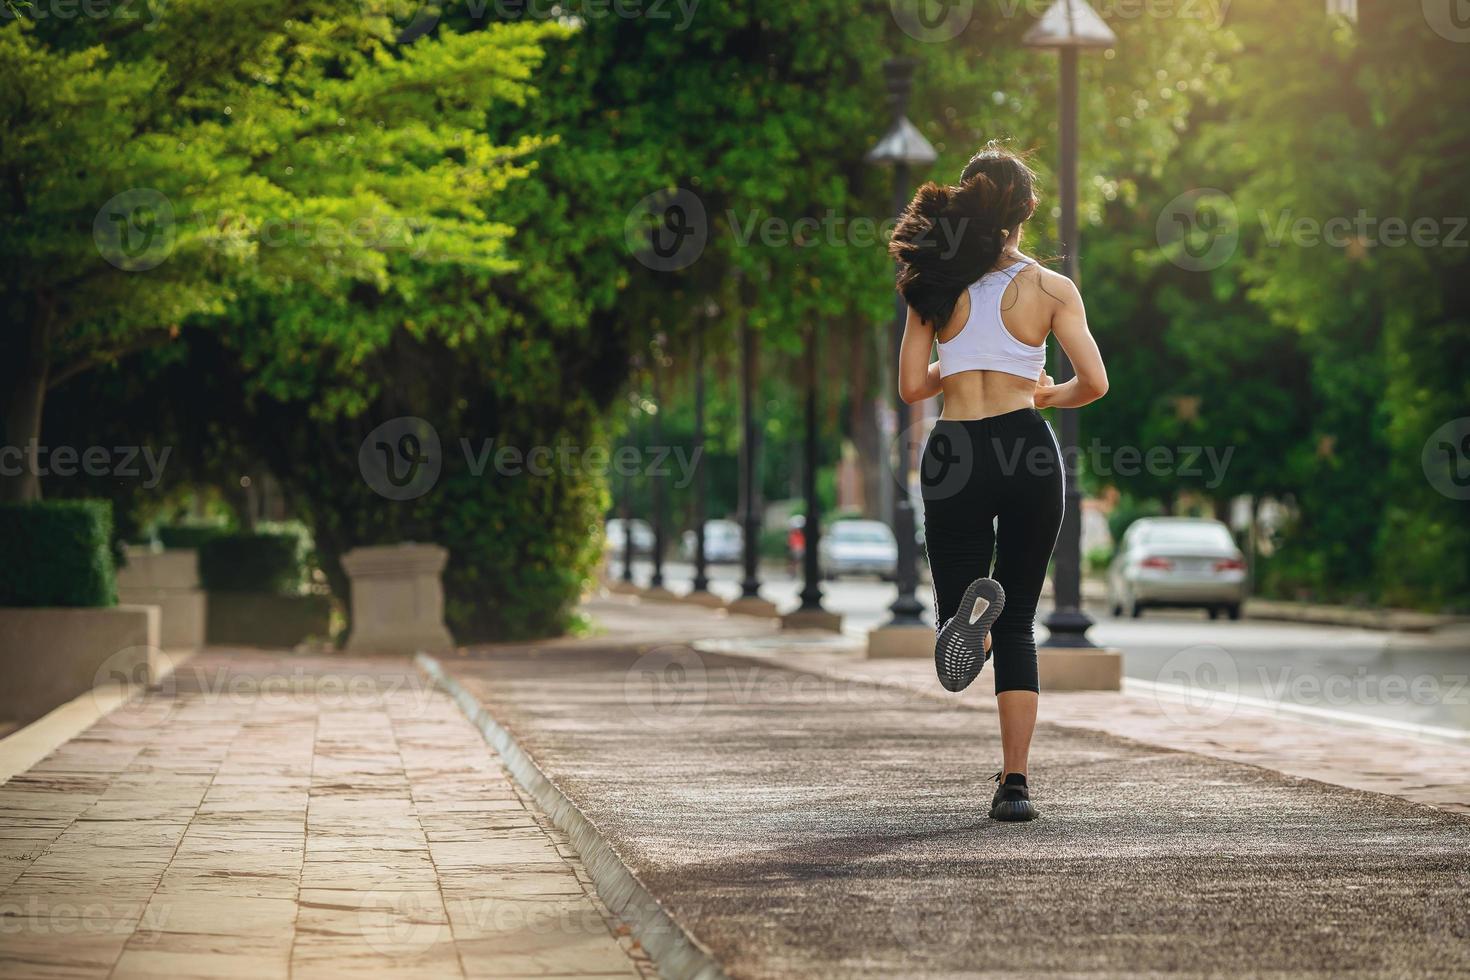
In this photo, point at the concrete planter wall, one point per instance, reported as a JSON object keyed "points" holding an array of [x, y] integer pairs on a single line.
{"points": [[397, 599], [170, 580], [49, 656], [262, 619]]}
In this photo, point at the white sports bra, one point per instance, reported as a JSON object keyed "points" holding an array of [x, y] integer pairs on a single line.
{"points": [[984, 343]]}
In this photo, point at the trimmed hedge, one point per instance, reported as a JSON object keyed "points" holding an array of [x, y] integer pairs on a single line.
{"points": [[271, 563], [189, 535], [57, 553]]}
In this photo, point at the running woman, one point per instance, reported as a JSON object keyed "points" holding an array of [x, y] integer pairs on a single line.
{"points": [[992, 471]]}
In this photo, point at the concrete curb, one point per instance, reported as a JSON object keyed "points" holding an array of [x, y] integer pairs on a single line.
{"points": [[1403, 620], [29, 744], [677, 954]]}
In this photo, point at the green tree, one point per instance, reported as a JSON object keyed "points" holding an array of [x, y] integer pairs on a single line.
{"points": [[156, 174]]}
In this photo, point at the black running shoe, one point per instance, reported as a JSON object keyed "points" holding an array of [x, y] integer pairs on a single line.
{"points": [[1012, 801], [959, 649]]}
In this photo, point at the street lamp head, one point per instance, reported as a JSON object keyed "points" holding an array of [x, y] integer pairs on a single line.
{"points": [[903, 143], [1070, 24]]}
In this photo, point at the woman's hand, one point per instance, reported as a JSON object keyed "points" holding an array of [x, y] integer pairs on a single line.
{"points": [[1046, 390]]}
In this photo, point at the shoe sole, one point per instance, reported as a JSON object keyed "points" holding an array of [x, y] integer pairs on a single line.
{"points": [[960, 631], [1014, 811]]}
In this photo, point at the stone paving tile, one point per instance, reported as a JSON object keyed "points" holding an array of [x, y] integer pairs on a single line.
{"points": [[277, 816], [44, 954]]}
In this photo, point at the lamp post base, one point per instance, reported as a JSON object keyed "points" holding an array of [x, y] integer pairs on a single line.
{"points": [[812, 619], [901, 640], [1068, 629], [753, 605], [906, 611], [1080, 669]]}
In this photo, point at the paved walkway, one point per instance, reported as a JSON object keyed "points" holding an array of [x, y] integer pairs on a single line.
{"points": [[1435, 773], [1356, 756], [268, 816], [796, 823], [275, 815]]}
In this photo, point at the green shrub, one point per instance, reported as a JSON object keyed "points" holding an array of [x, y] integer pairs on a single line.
{"points": [[57, 553], [1129, 509], [271, 563], [189, 535]]}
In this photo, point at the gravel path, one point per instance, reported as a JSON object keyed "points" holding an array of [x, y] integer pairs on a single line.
{"points": [[801, 826]]}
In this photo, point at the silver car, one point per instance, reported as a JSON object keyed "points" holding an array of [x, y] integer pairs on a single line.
{"points": [[1177, 561], [724, 542], [617, 536], [854, 547]]}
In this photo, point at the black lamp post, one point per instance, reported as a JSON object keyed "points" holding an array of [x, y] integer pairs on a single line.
{"points": [[627, 526], [656, 480], [750, 496], [1069, 26], [701, 563], [811, 529], [901, 147]]}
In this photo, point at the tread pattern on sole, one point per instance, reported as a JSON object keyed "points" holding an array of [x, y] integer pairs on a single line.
{"points": [[959, 646], [1014, 811]]}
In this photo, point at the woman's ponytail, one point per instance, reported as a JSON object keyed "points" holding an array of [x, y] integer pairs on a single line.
{"points": [[950, 236]]}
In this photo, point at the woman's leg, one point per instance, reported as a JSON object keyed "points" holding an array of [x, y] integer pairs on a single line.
{"points": [[959, 532], [959, 553], [1026, 534], [1017, 722]]}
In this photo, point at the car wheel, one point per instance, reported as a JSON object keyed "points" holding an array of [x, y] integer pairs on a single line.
{"points": [[1214, 612], [1234, 611], [1117, 610]]}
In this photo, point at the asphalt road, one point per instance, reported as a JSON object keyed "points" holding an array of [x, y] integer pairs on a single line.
{"points": [[1345, 673], [797, 829]]}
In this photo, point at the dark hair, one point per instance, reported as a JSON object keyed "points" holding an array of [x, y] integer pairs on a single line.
{"points": [[950, 236]]}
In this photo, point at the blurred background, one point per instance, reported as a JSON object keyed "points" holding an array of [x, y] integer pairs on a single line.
{"points": [[286, 279], [456, 515]]}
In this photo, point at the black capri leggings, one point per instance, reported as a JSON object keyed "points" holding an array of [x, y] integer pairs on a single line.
{"points": [[993, 489]]}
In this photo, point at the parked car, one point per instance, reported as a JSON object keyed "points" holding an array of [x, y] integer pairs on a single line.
{"points": [[858, 547], [723, 542], [1177, 561], [642, 536]]}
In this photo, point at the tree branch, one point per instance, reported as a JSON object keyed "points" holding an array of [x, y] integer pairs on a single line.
{"points": [[151, 338]]}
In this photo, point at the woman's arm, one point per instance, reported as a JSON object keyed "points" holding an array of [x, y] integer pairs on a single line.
{"points": [[1069, 323], [917, 378]]}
